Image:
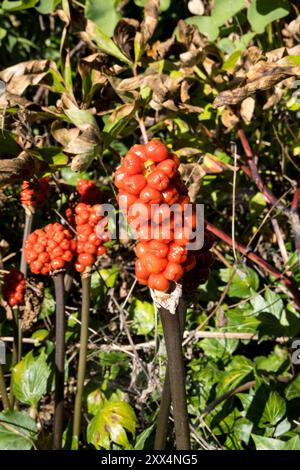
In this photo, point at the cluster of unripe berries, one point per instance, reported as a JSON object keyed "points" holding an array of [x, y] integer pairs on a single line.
{"points": [[49, 249], [148, 178], [34, 193], [13, 287]]}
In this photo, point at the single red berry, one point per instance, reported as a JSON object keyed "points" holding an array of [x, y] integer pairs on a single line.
{"points": [[156, 151]]}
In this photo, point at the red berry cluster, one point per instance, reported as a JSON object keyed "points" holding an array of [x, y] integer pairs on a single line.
{"points": [[49, 249], [149, 175], [34, 193], [13, 287], [89, 193], [91, 234]]}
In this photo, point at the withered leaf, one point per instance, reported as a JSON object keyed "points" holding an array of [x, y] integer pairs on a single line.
{"points": [[247, 109], [228, 118], [124, 35], [18, 77], [150, 20], [160, 50], [262, 75], [24, 166]]}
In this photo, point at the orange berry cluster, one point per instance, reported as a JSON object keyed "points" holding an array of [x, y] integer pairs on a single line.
{"points": [[91, 234], [149, 175], [13, 287], [34, 193], [49, 249]]}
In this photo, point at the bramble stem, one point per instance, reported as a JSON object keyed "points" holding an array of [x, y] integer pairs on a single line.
{"points": [[3, 391], [172, 334], [165, 401], [58, 280], [84, 332]]}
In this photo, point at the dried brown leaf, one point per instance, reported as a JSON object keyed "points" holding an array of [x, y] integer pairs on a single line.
{"points": [[149, 23], [24, 166], [247, 109], [263, 75], [18, 77]]}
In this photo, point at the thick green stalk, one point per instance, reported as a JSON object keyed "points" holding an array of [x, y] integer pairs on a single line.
{"points": [[58, 279], [3, 391], [84, 331], [172, 334], [165, 401]]}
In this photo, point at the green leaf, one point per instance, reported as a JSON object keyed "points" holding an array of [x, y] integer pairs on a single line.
{"points": [[142, 438], [109, 275], [109, 425], [243, 282], [293, 389], [274, 410], [8, 145], [47, 6], [262, 12], [231, 61], [235, 373], [275, 362], [206, 25], [72, 177], [104, 14], [40, 334], [143, 317], [104, 42], [18, 5], [30, 377], [225, 9], [268, 443], [82, 118], [17, 431], [95, 401], [274, 305], [52, 155], [48, 305], [218, 348], [164, 4]]}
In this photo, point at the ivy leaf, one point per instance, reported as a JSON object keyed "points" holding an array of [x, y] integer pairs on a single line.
{"points": [[268, 443], [30, 377], [243, 282], [236, 372], [293, 389], [109, 425], [262, 12], [143, 317], [17, 431], [274, 410]]}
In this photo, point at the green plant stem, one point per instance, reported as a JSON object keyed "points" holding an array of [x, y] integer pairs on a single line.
{"points": [[84, 331], [165, 401], [29, 214], [171, 329], [17, 348], [3, 391], [58, 279]]}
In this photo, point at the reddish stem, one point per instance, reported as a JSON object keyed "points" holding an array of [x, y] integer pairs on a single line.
{"points": [[257, 260]]}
